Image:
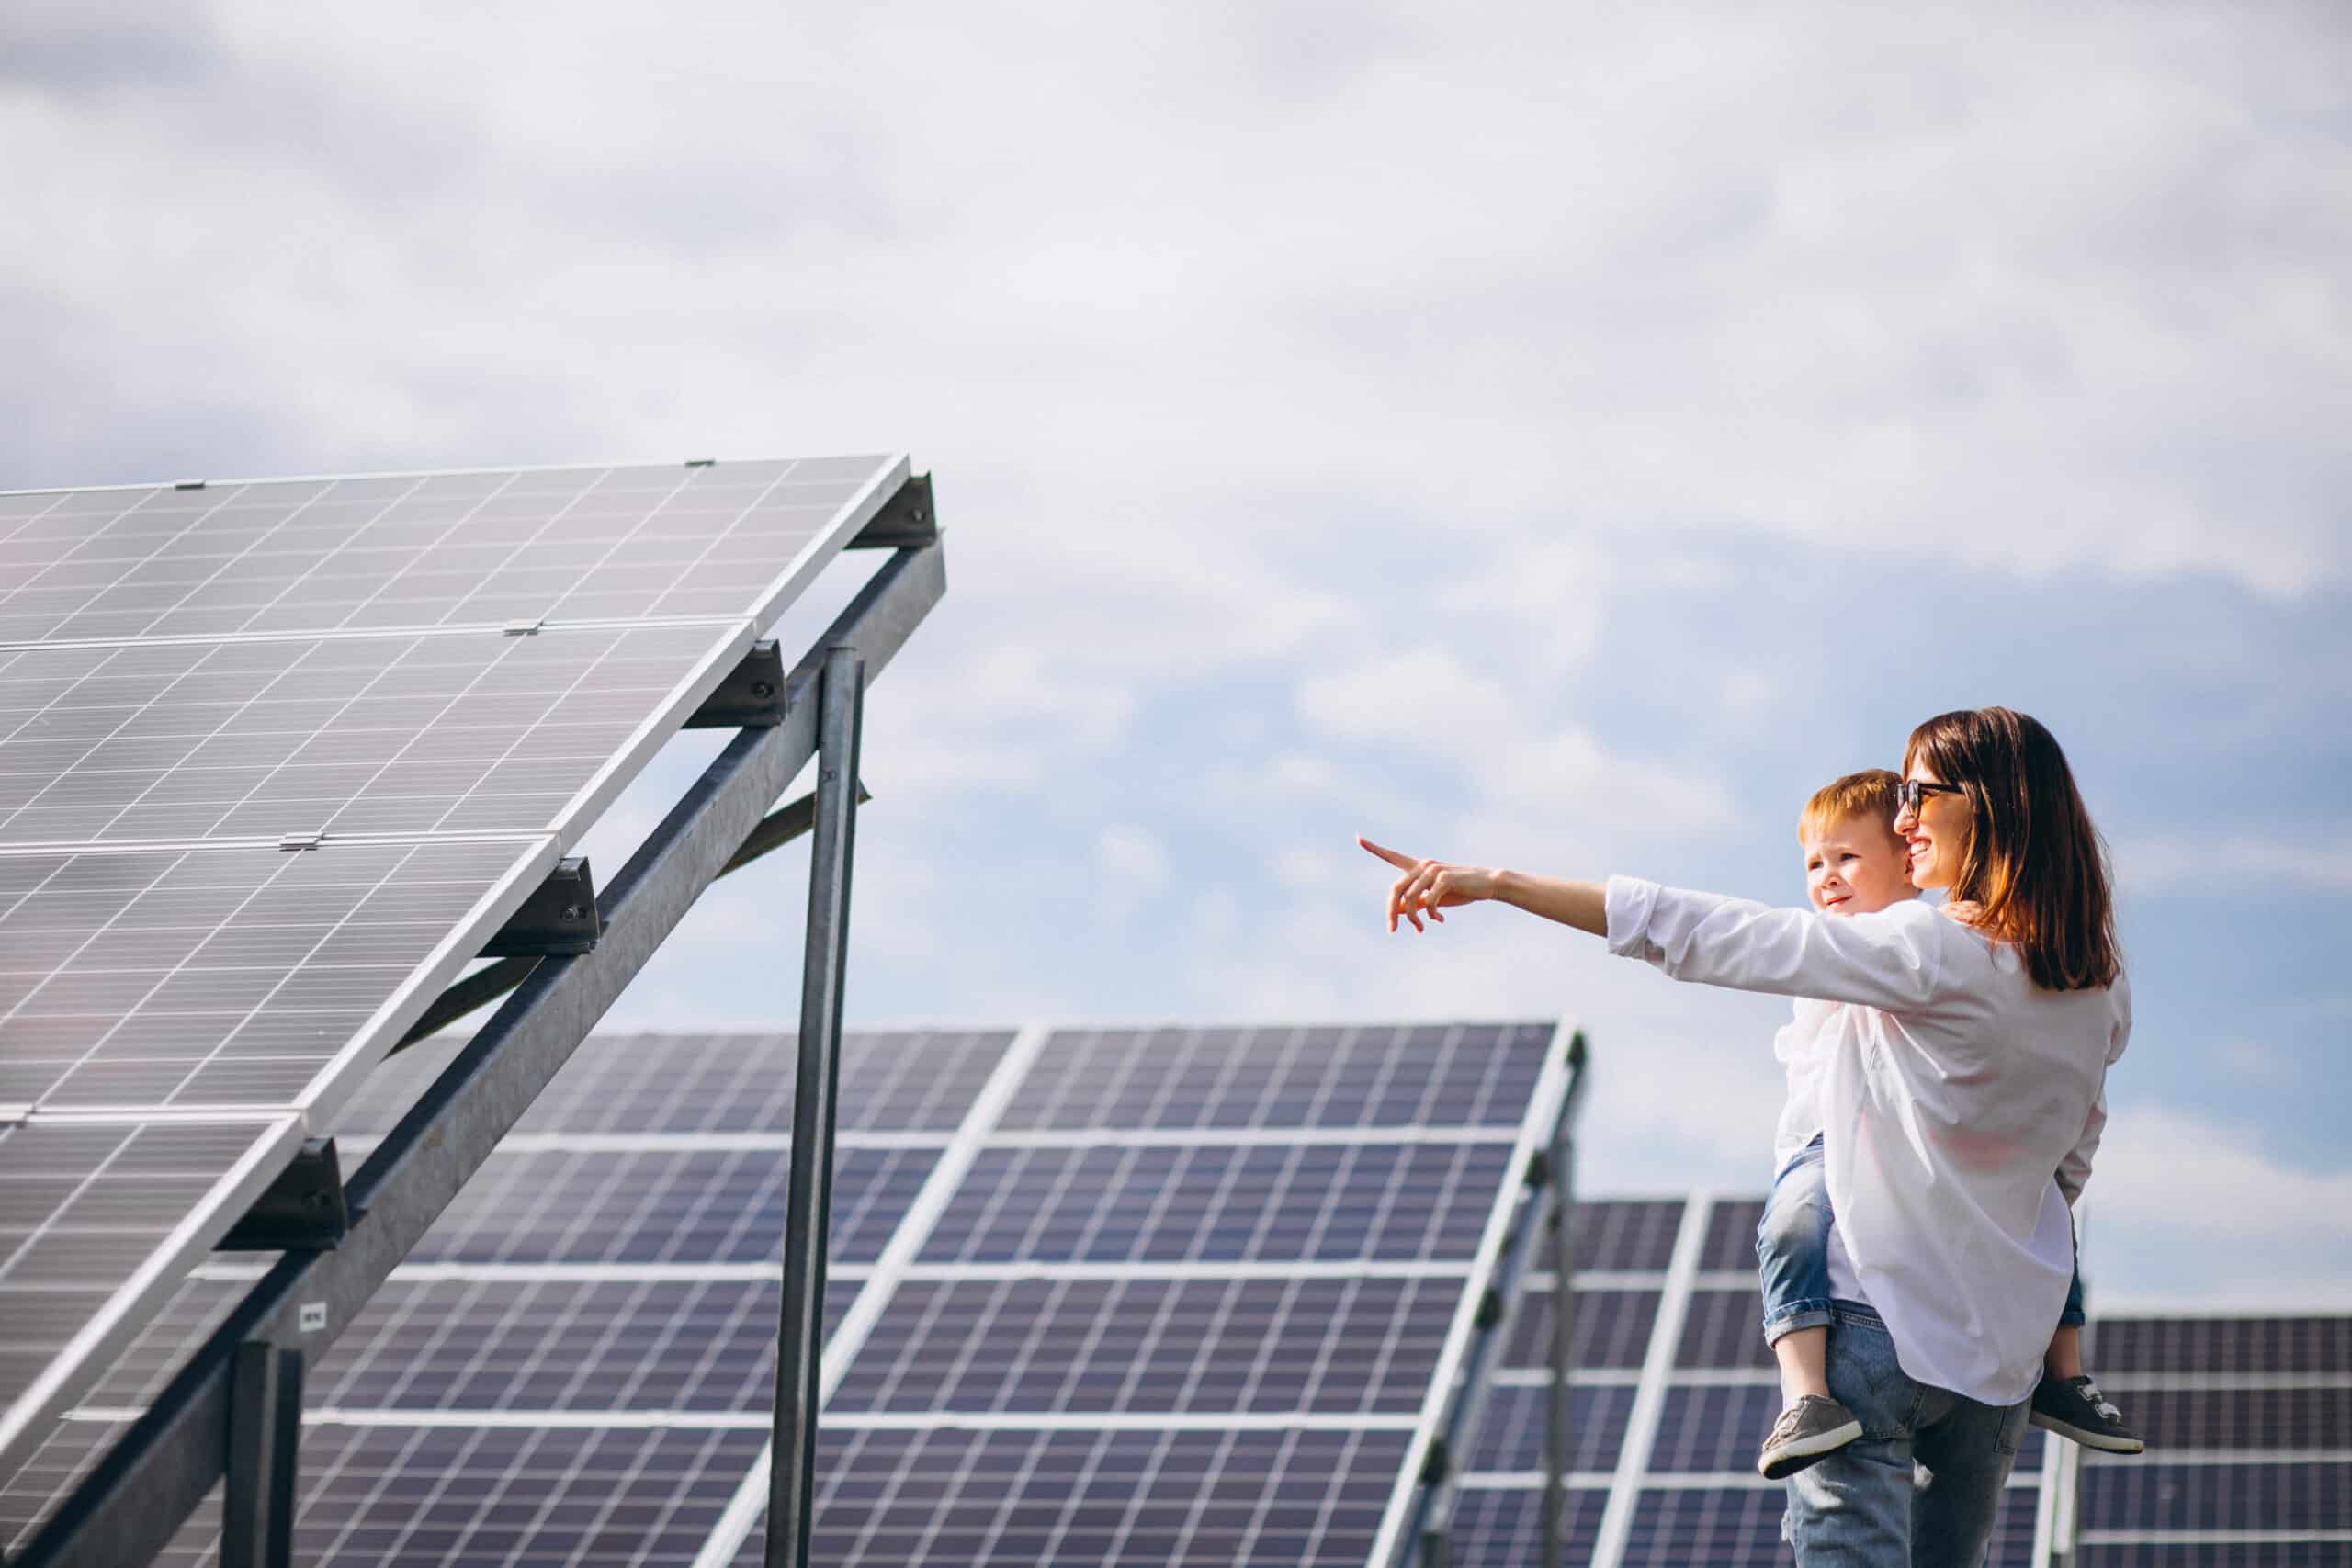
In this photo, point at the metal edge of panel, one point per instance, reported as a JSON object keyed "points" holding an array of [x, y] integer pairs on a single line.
{"points": [[337, 1079], [91, 1353], [1434, 1506], [159, 485], [853, 515], [1392, 1540], [619, 771]]}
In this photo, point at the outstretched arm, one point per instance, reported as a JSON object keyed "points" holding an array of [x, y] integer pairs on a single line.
{"points": [[1430, 886]]}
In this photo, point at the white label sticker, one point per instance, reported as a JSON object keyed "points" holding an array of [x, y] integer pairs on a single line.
{"points": [[313, 1317]]}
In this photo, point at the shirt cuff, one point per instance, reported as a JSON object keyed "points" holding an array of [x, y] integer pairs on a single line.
{"points": [[1629, 902]]}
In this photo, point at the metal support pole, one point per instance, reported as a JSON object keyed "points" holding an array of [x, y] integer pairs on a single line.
{"points": [[809, 1202], [264, 1433], [1563, 1316]]}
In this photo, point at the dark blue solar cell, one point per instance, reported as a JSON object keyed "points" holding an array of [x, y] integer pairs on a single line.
{"points": [[1731, 1235], [1385, 1076], [1222, 1204], [1737, 1527], [1627, 1235], [2238, 1417], [2221, 1344], [1511, 1435], [388, 1496], [1115, 1498], [2250, 1552], [1503, 1527], [562, 1345], [1611, 1329], [1723, 1328], [1194, 1345], [2148, 1493], [666, 1206]]}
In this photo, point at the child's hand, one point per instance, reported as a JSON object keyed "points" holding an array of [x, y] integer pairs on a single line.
{"points": [[1429, 885]]}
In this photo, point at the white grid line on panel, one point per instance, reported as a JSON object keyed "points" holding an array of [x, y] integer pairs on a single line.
{"points": [[191, 846], [1245, 1138], [1649, 1397], [2221, 1382], [568, 1273], [1535, 1130], [508, 469], [1296, 1270], [364, 634], [1578, 1377], [1100, 1421], [2215, 1538], [914, 1228]]}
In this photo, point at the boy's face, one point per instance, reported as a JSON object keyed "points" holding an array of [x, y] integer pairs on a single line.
{"points": [[1853, 866]]}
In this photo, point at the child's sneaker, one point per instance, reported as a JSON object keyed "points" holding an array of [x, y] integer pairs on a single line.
{"points": [[2074, 1407], [1806, 1430]]}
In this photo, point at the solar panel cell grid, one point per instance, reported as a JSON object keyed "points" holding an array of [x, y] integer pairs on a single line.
{"points": [[1511, 1435], [1174, 1345], [663, 1206], [1718, 1427], [2241, 1418], [1620, 1235], [481, 733], [1740, 1528], [1731, 1235], [2219, 1345], [1723, 1328], [1612, 1329], [1111, 1498], [1503, 1527], [543, 1497], [2252, 1553], [221, 976], [891, 1081], [2149, 1493], [1114, 1204], [417, 551], [605, 1345], [1385, 1077]]}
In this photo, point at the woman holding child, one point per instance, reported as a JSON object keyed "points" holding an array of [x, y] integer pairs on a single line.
{"points": [[1954, 1059]]}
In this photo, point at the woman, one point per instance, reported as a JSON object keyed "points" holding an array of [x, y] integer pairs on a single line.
{"points": [[1968, 1072]]}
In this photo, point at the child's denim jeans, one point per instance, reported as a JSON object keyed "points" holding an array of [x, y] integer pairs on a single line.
{"points": [[1793, 1251]]}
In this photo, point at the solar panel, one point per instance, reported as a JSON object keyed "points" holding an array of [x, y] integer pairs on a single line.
{"points": [[278, 758], [1227, 1359]]}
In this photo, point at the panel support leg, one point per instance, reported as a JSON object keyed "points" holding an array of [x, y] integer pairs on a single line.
{"points": [[1564, 1318], [265, 1444], [808, 1201]]}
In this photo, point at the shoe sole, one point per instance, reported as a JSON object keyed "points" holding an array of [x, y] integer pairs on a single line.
{"points": [[1792, 1456], [2102, 1441]]}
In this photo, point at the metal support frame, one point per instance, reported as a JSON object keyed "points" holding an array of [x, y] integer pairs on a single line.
{"points": [[127, 1509], [1546, 1208], [265, 1443], [808, 1200], [1557, 1420]]}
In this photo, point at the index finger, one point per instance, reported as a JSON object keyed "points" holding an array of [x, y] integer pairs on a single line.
{"points": [[1391, 856]]}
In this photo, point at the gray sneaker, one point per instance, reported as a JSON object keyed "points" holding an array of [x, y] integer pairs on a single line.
{"points": [[1806, 1430], [2074, 1408]]}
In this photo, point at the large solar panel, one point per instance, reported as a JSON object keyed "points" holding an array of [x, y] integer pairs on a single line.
{"points": [[278, 758], [1215, 1344]]}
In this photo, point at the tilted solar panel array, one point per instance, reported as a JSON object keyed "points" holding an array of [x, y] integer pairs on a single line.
{"points": [[2249, 1421], [277, 758], [1176, 1295]]}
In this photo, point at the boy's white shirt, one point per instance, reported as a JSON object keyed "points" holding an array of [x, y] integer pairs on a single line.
{"points": [[1803, 1048], [1948, 1087]]}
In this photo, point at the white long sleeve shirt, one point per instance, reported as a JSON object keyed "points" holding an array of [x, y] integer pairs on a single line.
{"points": [[1802, 1047], [1954, 1089]]}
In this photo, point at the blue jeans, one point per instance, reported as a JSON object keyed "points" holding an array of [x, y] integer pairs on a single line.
{"points": [[1856, 1507], [1793, 1251]]}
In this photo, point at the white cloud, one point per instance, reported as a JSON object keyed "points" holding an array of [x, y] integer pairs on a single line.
{"points": [[2232, 863], [1131, 864]]}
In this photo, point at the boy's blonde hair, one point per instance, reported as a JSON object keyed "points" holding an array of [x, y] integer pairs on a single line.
{"points": [[1869, 792]]}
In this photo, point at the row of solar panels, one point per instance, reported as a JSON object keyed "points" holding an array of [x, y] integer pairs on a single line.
{"points": [[1210, 1259], [1184, 1305], [277, 760]]}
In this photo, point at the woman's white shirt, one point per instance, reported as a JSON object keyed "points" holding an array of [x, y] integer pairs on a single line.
{"points": [[1947, 1095], [1802, 1047]]}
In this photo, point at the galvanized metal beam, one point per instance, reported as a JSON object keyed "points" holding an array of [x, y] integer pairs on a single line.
{"points": [[128, 1508], [809, 1200]]}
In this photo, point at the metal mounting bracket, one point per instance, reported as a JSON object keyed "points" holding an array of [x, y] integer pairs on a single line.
{"points": [[303, 1210], [907, 520], [751, 697], [559, 916]]}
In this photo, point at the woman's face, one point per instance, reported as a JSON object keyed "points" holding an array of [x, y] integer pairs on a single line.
{"points": [[1935, 835]]}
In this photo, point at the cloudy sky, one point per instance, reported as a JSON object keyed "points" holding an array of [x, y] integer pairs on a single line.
{"points": [[1540, 436]]}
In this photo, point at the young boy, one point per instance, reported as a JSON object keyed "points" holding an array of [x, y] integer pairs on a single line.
{"points": [[1854, 864]]}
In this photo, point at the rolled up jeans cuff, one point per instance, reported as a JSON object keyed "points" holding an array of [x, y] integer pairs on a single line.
{"points": [[1795, 1315]]}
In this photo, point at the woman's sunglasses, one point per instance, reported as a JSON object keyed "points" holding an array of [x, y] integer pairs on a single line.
{"points": [[1911, 792]]}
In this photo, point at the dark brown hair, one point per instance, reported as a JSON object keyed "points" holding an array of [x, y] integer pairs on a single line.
{"points": [[2034, 866], [1869, 793]]}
